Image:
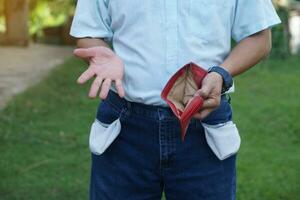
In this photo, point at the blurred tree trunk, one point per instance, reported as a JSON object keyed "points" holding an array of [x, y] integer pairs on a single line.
{"points": [[16, 17]]}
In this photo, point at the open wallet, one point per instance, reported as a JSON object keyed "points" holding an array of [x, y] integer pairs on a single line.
{"points": [[179, 94]]}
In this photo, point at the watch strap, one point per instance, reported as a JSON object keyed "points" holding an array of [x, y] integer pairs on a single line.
{"points": [[227, 78]]}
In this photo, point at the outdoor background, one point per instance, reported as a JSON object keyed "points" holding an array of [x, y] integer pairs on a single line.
{"points": [[45, 116]]}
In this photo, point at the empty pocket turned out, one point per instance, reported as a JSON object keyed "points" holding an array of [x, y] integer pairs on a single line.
{"points": [[102, 135], [223, 139]]}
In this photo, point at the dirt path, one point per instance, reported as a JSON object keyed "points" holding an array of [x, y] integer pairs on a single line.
{"points": [[21, 68]]}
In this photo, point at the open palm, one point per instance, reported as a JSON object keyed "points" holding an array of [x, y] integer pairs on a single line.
{"points": [[106, 66]]}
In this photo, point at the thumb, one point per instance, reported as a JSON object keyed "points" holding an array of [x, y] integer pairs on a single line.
{"points": [[84, 52]]}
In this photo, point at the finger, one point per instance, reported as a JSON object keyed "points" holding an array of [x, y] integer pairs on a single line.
{"points": [[95, 87], [197, 116], [105, 88], [204, 113], [120, 88], [211, 103], [85, 52], [204, 91], [85, 76]]}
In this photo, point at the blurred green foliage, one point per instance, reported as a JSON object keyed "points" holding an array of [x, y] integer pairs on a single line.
{"points": [[44, 13], [2, 25], [281, 35], [49, 14]]}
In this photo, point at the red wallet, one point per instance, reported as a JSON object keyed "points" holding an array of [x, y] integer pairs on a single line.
{"points": [[179, 94]]}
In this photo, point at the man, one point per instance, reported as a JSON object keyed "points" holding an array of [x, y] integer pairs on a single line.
{"points": [[151, 40]]}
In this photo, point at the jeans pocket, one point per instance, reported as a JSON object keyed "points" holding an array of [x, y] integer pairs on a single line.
{"points": [[223, 139], [221, 133], [102, 135], [220, 115], [108, 112], [106, 127]]}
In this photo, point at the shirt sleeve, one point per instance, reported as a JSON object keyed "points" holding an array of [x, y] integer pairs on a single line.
{"points": [[91, 19], [252, 16]]}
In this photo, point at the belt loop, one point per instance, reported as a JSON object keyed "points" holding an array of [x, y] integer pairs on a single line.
{"points": [[128, 105], [125, 109], [160, 114]]}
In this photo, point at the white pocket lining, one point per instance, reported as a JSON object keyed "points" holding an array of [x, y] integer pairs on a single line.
{"points": [[223, 139], [102, 135]]}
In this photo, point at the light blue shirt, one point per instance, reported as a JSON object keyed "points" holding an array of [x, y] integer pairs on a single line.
{"points": [[157, 37]]}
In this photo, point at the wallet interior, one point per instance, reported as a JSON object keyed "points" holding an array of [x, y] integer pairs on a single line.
{"points": [[183, 90]]}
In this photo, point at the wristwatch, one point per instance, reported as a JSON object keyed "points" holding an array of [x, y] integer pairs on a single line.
{"points": [[227, 78]]}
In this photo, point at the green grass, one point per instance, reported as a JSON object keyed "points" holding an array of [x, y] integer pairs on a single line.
{"points": [[267, 110], [44, 134]]}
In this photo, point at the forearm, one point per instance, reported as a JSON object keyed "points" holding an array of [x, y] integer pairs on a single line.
{"points": [[91, 42], [248, 52]]}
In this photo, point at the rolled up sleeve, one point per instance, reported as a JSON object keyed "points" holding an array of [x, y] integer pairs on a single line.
{"points": [[253, 16], [91, 19]]}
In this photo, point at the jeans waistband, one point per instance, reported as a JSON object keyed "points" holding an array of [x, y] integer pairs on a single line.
{"points": [[150, 111]]}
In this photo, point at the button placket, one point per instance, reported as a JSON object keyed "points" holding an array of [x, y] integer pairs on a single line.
{"points": [[167, 141], [171, 8]]}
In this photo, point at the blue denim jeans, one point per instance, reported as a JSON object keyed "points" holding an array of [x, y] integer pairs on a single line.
{"points": [[149, 157]]}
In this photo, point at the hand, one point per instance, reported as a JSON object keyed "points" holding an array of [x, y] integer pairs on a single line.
{"points": [[211, 93], [106, 66]]}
